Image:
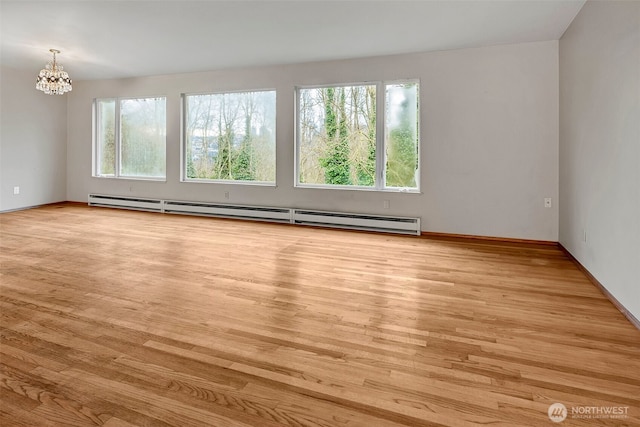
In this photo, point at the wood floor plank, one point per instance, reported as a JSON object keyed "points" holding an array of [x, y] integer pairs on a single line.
{"points": [[121, 318], [52, 405]]}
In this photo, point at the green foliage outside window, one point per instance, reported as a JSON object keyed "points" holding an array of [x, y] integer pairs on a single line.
{"points": [[231, 136], [338, 141], [140, 139], [402, 135]]}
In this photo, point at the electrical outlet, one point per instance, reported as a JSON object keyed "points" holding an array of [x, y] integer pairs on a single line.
{"points": [[547, 202], [386, 204], [226, 195], [16, 190]]}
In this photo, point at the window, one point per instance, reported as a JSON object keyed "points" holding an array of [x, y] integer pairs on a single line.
{"points": [[130, 138], [230, 137], [351, 137]]}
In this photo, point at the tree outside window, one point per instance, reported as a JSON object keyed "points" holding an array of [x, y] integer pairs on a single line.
{"points": [[338, 140]]}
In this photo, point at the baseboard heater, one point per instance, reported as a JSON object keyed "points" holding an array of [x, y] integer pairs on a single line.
{"points": [[352, 221], [257, 213], [135, 203], [387, 224]]}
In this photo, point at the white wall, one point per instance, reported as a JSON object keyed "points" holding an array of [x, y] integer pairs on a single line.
{"points": [[33, 142], [489, 126], [600, 145]]}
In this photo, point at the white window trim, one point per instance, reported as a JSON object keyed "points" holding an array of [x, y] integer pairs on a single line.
{"points": [[96, 152], [183, 141], [381, 160]]}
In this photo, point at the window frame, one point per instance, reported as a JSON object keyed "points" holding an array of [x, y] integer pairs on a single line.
{"points": [[381, 127], [183, 140], [117, 140]]}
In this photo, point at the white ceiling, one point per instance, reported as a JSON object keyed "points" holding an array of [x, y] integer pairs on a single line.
{"points": [[112, 39]]}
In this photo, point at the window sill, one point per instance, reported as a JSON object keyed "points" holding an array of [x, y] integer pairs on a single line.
{"points": [[355, 188], [131, 178], [222, 181]]}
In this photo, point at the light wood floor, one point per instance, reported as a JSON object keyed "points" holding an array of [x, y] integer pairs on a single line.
{"points": [[122, 318]]}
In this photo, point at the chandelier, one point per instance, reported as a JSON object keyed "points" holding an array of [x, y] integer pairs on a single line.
{"points": [[52, 80]]}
